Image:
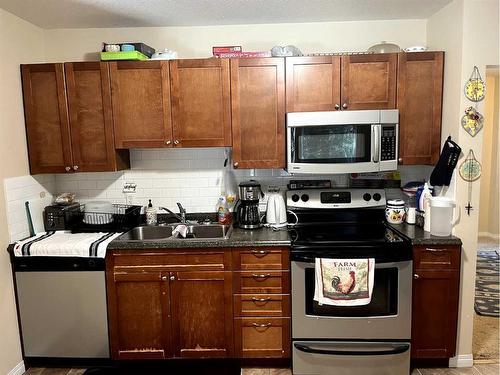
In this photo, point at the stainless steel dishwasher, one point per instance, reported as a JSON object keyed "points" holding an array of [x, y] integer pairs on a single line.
{"points": [[62, 307]]}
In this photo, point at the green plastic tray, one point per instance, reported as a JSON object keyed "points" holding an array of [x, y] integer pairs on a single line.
{"points": [[132, 55]]}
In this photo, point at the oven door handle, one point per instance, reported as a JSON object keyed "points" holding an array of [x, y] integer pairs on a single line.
{"points": [[397, 349]]}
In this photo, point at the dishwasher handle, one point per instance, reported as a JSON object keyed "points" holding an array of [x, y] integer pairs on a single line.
{"points": [[396, 349]]}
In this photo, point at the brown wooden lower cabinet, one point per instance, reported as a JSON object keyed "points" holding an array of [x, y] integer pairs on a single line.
{"points": [[186, 303], [262, 337], [436, 281]]}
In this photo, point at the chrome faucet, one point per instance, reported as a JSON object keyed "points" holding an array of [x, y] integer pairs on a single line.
{"points": [[182, 210]]}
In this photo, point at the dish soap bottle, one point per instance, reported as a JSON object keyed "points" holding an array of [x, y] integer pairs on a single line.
{"points": [[151, 215], [223, 213]]}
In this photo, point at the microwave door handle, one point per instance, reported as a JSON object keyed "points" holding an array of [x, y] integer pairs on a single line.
{"points": [[376, 143], [396, 349]]}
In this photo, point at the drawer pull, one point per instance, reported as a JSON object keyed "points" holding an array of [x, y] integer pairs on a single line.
{"points": [[255, 299], [416, 276], [260, 253], [261, 276], [435, 251], [265, 325]]}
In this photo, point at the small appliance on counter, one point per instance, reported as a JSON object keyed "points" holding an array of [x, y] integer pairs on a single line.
{"points": [[276, 211], [247, 211], [61, 217]]}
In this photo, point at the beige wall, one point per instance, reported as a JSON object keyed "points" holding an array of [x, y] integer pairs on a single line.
{"points": [[190, 42], [489, 219], [467, 43], [22, 43]]}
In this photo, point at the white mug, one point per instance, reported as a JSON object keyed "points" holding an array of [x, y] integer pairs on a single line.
{"points": [[411, 215]]}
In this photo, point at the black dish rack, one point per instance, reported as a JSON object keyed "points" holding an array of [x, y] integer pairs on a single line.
{"points": [[121, 219]]}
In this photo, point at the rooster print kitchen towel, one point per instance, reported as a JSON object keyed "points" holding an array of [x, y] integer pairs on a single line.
{"points": [[344, 282]]}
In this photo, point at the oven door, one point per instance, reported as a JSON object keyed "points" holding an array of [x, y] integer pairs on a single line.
{"points": [[388, 316], [351, 358], [339, 148]]}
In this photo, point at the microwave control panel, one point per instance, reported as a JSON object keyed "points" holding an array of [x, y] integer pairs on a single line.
{"points": [[388, 143]]}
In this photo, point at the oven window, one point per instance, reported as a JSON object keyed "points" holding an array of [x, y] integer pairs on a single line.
{"points": [[384, 297], [332, 144]]}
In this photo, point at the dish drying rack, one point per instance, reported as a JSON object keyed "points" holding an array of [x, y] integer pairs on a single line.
{"points": [[120, 218]]}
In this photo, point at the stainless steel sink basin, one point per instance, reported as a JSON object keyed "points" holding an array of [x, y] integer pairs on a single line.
{"points": [[164, 233], [146, 233]]}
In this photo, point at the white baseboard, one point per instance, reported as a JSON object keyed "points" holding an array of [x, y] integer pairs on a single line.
{"points": [[461, 360], [18, 370], [489, 235]]}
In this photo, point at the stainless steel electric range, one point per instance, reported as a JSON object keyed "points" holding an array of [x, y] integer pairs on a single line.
{"points": [[372, 339]]}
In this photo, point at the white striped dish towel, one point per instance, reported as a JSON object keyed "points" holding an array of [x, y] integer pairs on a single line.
{"points": [[65, 244]]}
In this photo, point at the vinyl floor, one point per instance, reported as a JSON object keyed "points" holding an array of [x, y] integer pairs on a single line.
{"points": [[477, 369]]}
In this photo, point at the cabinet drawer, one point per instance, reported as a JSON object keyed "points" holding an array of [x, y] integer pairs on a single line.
{"points": [[272, 282], [174, 260], [262, 305], [436, 257], [261, 258], [262, 337]]}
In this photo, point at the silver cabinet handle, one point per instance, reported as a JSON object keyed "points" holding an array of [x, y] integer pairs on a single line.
{"points": [[176, 142], [260, 253], [172, 277], [75, 167], [67, 169], [255, 299], [400, 160], [337, 106], [164, 278], [265, 325], [430, 249], [344, 105], [261, 276], [236, 164], [167, 142], [416, 276]]}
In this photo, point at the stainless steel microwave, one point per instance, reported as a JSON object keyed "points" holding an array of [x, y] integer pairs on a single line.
{"points": [[342, 141]]}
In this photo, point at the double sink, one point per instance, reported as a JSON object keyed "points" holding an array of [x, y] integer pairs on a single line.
{"points": [[164, 233]]}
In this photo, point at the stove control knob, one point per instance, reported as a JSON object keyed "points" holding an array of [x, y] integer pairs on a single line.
{"points": [[377, 196], [304, 197], [367, 197], [295, 197]]}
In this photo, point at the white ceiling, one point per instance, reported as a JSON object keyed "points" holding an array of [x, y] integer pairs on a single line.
{"points": [[52, 14]]}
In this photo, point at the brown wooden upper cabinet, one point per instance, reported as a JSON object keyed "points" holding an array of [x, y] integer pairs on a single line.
{"points": [[327, 83], [258, 112], [68, 118], [201, 105], [140, 93], [91, 119], [420, 89], [46, 116]]}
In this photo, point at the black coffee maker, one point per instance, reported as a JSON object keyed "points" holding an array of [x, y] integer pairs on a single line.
{"points": [[247, 211]]}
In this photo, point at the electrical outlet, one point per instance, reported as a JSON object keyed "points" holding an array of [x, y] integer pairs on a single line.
{"points": [[129, 187]]}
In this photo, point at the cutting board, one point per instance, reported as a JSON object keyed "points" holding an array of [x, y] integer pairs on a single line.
{"points": [[35, 213]]}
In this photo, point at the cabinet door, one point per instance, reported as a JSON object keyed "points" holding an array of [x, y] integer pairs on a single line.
{"points": [[202, 313], [258, 112], [201, 107], [139, 315], [312, 83], [369, 81], [46, 117], [420, 91], [141, 103], [90, 117], [434, 313]]}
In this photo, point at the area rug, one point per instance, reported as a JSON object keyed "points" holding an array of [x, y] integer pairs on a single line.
{"points": [[487, 284]]}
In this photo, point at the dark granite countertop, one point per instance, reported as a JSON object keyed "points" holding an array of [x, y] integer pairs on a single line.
{"points": [[420, 237], [239, 237]]}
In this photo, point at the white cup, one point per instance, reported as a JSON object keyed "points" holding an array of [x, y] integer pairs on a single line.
{"points": [[411, 215]]}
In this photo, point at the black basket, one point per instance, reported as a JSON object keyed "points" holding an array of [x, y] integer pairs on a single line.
{"points": [[122, 218]]}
